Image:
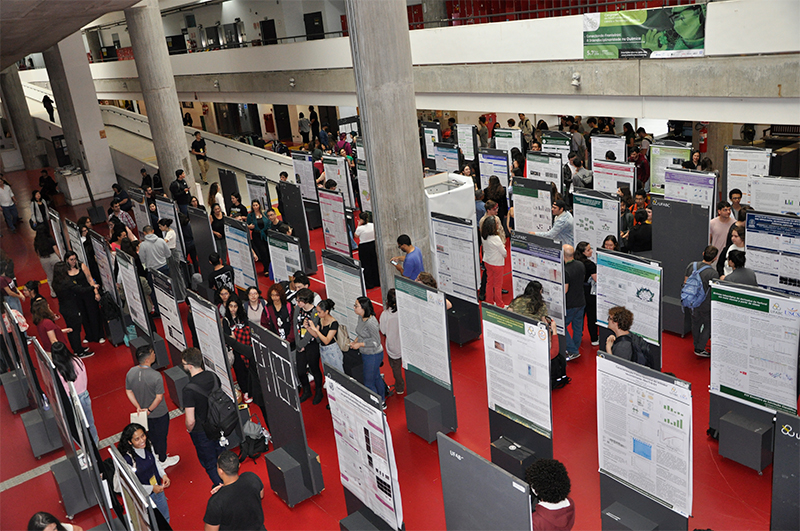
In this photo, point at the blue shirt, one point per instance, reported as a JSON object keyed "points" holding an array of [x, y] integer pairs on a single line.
{"points": [[480, 209], [412, 265]]}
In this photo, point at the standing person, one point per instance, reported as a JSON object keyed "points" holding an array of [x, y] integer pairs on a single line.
{"points": [[8, 204], [550, 483], [368, 342], [639, 158], [532, 304], [326, 333], [170, 237], [740, 273], [305, 315], [610, 243], [238, 210], [48, 106], [39, 213], [410, 265], [737, 244], [124, 217], [583, 253], [236, 325], [71, 369], [215, 197], [561, 231], [304, 126], [47, 331], [527, 130], [390, 328], [236, 503], [138, 451], [218, 228], [574, 273], [367, 253], [483, 132], [258, 225], [144, 387], [620, 343], [735, 196], [255, 305], [719, 226], [199, 151], [640, 236], [180, 191], [701, 316], [43, 521], [78, 294], [277, 316], [122, 196], [578, 143], [497, 193], [221, 276], [47, 251], [154, 252], [48, 186], [494, 258], [313, 122], [195, 404]]}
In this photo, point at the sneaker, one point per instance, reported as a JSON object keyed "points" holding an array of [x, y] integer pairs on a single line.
{"points": [[702, 354], [401, 392], [85, 341], [102, 340], [247, 399], [595, 343], [383, 406], [86, 354], [170, 461], [573, 355]]}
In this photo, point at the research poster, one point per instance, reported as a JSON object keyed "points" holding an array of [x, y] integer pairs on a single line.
{"points": [[102, 256], [75, 243], [602, 144], [595, 216], [446, 156], [544, 167], [336, 168], [536, 258], [423, 331], [644, 432], [55, 228], [686, 186], [645, 33], [772, 248], [170, 315], [455, 245], [209, 336], [257, 189], [557, 142], [754, 337], [343, 285], [508, 139], [742, 164], [778, 195], [303, 165], [623, 281], [363, 186], [367, 466], [334, 224], [663, 157], [518, 369], [284, 257], [240, 254], [431, 136], [466, 140], [610, 175], [493, 162], [532, 206], [168, 210], [133, 292], [140, 210]]}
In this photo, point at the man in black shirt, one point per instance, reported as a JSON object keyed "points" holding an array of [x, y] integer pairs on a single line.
{"points": [[574, 273], [619, 343], [238, 210], [222, 276], [180, 191], [199, 151], [314, 119], [236, 504], [121, 195], [195, 405]]}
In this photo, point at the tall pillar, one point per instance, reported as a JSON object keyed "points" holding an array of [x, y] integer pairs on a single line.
{"points": [[719, 136], [79, 113], [95, 46], [158, 89], [20, 117], [381, 51], [434, 11]]}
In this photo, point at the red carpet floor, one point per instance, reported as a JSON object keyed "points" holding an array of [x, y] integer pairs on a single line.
{"points": [[727, 495]]}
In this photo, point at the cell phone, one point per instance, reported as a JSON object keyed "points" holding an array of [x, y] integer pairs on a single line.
{"points": [[394, 262]]}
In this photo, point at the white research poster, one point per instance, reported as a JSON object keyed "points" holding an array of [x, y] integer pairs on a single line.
{"points": [[343, 286], [754, 337], [240, 256], [454, 242], [531, 261], [466, 140], [170, 315], [423, 331], [601, 144], [508, 139], [742, 164], [206, 323], [644, 432], [130, 285], [285, 259], [303, 165], [493, 163], [636, 285], [544, 167], [518, 369], [532, 207], [608, 175], [334, 224], [594, 218]]}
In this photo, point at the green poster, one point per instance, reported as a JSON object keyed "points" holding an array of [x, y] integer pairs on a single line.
{"points": [[645, 33]]}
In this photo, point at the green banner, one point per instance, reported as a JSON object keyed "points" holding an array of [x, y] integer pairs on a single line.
{"points": [[411, 288], [640, 34], [751, 302], [527, 192], [587, 201], [279, 244], [515, 325]]}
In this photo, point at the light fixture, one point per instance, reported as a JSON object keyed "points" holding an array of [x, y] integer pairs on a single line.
{"points": [[576, 79], [216, 84], [292, 82]]}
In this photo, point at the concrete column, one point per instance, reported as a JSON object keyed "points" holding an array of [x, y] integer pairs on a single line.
{"points": [[79, 113], [381, 52], [158, 90], [719, 136], [95, 46], [434, 10], [20, 117]]}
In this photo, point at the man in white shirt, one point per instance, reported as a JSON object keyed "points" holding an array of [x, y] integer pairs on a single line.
{"points": [[8, 204], [720, 226]]}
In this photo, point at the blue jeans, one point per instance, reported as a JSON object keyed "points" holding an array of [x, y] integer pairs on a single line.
{"points": [[207, 453], [372, 373], [574, 317], [161, 502], [86, 404], [11, 214], [332, 356]]}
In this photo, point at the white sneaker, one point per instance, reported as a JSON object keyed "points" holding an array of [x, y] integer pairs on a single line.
{"points": [[85, 341], [595, 343], [170, 461], [102, 340]]}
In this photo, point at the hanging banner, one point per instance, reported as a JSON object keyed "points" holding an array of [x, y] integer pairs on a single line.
{"points": [[303, 164], [645, 33]]}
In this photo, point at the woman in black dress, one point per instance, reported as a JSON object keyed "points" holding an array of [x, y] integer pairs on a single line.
{"points": [[218, 228], [258, 225], [583, 253], [69, 293]]}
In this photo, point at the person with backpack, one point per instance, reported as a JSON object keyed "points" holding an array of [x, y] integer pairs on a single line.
{"points": [[696, 295], [327, 333], [622, 343], [195, 403]]}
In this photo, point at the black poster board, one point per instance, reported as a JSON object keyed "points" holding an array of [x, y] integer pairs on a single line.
{"points": [[295, 216], [19, 345], [430, 133], [229, 185], [74, 238], [785, 514], [203, 239], [285, 255], [105, 264], [168, 209], [258, 188]]}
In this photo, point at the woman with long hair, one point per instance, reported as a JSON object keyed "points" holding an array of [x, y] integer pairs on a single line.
{"points": [[326, 333], [70, 368], [215, 197], [47, 332], [625, 214], [218, 228], [170, 236], [610, 243], [223, 294], [532, 304], [39, 214], [258, 224], [69, 292], [368, 342], [78, 274], [137, 450], [630, 137], [236, 324], [583, 254], [195, 203], [390, 328], [277, 316], [255, 305], [367, 252], [497, 193], [47, 251], [43, 521], [494, 258]]}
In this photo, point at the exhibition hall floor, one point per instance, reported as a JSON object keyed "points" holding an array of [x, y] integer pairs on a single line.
{"points": [[726, 495]]}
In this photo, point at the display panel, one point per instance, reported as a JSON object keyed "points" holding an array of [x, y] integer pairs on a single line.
{"points": [[129, 279], [544, 167], [336, 168], [778, 195], [209, 336], [602, 144], [595, 216], [610, 175], [55, 228], [532, 206], [536, 258], [344, 283], [334, 223], [772, 249], [140, 210], [284, 252], [303, 165], [493, 162], [102, 257], [446, 156], [240, 254], [455, 245], [508, 139], [741, 165], [663, 157], [466, 140], [75, 243], [686, 186], [170, 315]]}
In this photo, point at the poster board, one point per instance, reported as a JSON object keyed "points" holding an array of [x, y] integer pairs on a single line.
{"points": [[778, 195], [557, 142], [229, 185], [601, 144], [167, 209], [258, 188], [446, 157], [211, 340], [336, 168], [129, 278], [431, 133], [467, 141], [664, 155], [303, 167], [170, 314], [493, 162], [240, 253], [364, 193], [741, 164], [55, 227], [772, 249], [102, 256], [203, 239], [334, 222], [688, 186], [20, 345], [508, 139], [542, 259], [295, 216], [284, 252], [423, 331], [517, 351], [139, 508], [626, 280], [74, 237], [756, 364], [532, 205], [785, 514], [610, 175], [595, 216], [644, 427], [545, 167], [455, 245], [344, 283], [140, 210]]}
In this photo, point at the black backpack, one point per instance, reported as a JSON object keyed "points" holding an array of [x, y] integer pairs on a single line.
{"points": [[222, 416], [252, 448], [641, 350]]}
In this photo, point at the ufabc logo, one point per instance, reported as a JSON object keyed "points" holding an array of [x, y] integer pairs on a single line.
{"points": [[788, 430]]}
